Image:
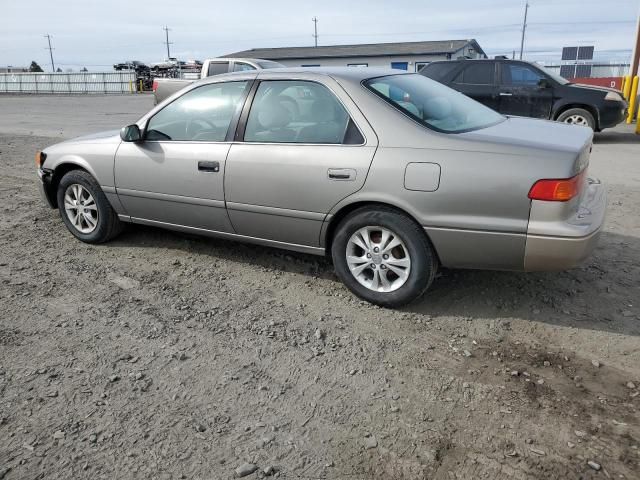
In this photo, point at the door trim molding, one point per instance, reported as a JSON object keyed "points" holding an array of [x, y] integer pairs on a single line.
{"points": [[232, 236], [166, 197], [280, 212]]}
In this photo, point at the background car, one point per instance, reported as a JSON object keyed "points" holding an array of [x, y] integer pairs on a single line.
{"points": [[392, 174], [514, 87]]}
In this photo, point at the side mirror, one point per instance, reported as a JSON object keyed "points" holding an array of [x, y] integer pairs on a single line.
{"points": [[131, 133], [544, 83]]}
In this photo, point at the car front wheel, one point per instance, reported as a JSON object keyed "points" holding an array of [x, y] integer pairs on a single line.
{"points": [[85, 210], [383, 256], [578, 116]]}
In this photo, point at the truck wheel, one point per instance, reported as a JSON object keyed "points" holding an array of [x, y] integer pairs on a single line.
{"points": [[577, 116]]}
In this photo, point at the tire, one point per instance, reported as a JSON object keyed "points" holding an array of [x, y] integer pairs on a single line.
{"points": [[106, 223], [577, 116], [348, 254]]}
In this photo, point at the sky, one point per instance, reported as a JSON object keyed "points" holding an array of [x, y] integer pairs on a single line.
{"points": [[99, 33]]}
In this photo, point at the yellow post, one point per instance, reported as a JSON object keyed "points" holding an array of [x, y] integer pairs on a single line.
{"points": [[140, 86], [632, 99], [623, 83], [638, 123], [627, 87], [130, 86]]}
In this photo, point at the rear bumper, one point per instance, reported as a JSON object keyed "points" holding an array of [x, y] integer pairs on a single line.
{"points": [[559, 245]]}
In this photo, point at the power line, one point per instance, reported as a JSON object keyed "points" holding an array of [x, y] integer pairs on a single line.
{"points": [[166, 31], [50, 48], [315, 30]]}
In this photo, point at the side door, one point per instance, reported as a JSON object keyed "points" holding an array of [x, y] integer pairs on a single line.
{"points": [[175, 175], [522, 92], [300, 150], [478, 80]]}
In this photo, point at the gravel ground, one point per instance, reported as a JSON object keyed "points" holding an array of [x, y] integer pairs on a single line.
{"points": [[161, 355]]}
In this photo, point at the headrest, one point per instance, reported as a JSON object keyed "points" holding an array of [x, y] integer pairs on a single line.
{"points": [[437, 108], [273, 115], [323, 110]]}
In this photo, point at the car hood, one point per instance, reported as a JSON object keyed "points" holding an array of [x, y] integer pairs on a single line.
{"points": [[111, 137], [528, 133], [596, 88]]}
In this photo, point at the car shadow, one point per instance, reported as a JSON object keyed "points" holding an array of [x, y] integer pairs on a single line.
{"points": [[612, 137], [597, 295]]}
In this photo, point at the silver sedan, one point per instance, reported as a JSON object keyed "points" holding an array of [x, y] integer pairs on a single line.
{"points": [[392, 174]]}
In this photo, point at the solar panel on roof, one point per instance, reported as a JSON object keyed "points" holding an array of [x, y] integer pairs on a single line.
{"points": [[583, 71], [568, 71], [569, 53], [585, 53]]}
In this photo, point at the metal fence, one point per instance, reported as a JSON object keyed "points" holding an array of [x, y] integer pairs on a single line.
{"points": [[73, 83], [595, 70]]}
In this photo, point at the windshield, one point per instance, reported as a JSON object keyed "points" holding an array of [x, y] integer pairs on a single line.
{"points": [[269, 64], [553, 75], [432, 104]]}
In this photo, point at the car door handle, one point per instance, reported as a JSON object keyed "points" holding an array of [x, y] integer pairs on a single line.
{"points": [[341, 174], [206, 166], [506, 94]]}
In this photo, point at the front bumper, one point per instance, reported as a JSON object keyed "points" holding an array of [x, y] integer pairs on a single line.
{"points": [[612, 113], [559, 245], [44, 185]]}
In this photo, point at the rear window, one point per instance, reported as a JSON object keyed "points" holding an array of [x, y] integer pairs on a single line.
{"points": [[432, 104], [217, 68], [438, 71]]}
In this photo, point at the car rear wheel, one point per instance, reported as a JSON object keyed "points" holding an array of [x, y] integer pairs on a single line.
{"points": [[578, 116], [383, 256], [85, 210]]}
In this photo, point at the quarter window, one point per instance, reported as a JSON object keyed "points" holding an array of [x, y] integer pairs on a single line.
{"points": [[200, 115], [242, 67], [520, 75], [480, 73], [298, 112]]}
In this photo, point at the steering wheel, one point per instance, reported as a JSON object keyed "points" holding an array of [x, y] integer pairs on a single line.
{"points": [[195, 125]]}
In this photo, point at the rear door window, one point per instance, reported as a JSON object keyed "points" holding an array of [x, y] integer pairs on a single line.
{"points": [[519, 75], [480, 73], [296, 111], [217, 68]]}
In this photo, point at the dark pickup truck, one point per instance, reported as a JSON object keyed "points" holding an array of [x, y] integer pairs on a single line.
{"points": [[514, 87]]}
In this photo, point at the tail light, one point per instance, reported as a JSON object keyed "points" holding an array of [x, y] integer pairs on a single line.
{"points": [[558, 190], [155, 85]]}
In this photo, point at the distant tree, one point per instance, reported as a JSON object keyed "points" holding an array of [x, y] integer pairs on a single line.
{"points": [[34, 67], [58, 70], [84, 69]]}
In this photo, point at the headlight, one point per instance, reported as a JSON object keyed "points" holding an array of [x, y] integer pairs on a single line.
{"points": [[616, 97]]}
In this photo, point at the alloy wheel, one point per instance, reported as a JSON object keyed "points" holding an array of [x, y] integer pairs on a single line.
{"points": [[577, 120], [81, 208], [378, 259]]}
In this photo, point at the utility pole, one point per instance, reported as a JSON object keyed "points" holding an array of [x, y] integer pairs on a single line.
{"points": [[635, 57], [315, 30], [166, 31], [524, 28], [50, 48]]}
